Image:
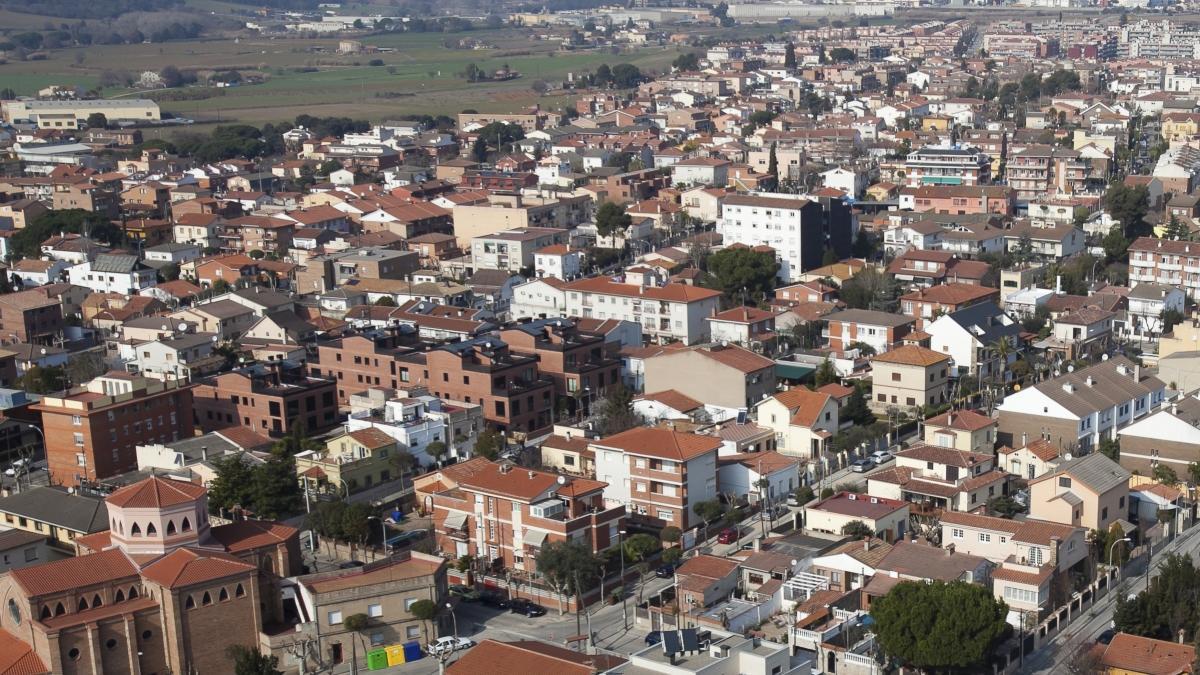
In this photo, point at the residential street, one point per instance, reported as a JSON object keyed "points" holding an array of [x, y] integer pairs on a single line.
{"points": [[1054, 656]]}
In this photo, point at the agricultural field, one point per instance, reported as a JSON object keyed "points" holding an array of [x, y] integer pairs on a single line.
{"points": [[418, 74]]}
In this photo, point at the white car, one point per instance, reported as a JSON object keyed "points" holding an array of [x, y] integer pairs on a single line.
{"points": [[881, 457], [448, 643]]}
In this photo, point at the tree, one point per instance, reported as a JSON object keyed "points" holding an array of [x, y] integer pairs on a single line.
{"points": [[1164, 474], [1110, 448], [250, 661], [1176, 229], [405, 462], [1005, 506], [688, 61], [171, 76], [44, 379], [220, 286], [789, 56], [1194, 473], [97, 120], [1129, 206], [385, 301], [437, 450], [708, 511], [489, 444], [640, 546], [804, 494], [857, 529], [825, 374], [1167, 607], [869, 289], [842, 55], [569, 567], [616, 410], [939, 625], [773, 162], [672, 554], [743, 271], [424, 610], [671, 534], [856, 408], [611, 219]]}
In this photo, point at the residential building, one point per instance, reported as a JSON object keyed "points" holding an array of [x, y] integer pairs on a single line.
{"points": [[1167, 438], [980, 339], [799, 228], [880, 331], [964, 430], [1164, 261], [743, 326], [919, 268], [505, 513], [1091, 491], [666, 312], [92, 430], [937, 479], [271, 400], [579, 364], [31, 316], [1136, 655], [514, 250], [351, 461], [887, 518], [54, 513], [947, 166], [558, 261], [527, 656], [803, 421], [909, 376], [726, 378], [415, 421], [21, 549], [113, 273], [1148, 305], [928, 304], [1031, 459], [539, 298], [658, 474], [762, 476], [1037, 170], [959, 199], [1075, 410], [568, 452]]}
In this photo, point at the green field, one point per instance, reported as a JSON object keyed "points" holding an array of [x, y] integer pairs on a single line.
{"points": [[420, 76]]}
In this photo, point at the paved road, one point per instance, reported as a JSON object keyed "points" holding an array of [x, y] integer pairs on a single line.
{"points": [[1054, 655]]}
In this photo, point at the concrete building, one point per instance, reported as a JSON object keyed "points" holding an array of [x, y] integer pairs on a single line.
{"points": [[800, 229], [909, 377], [727, 377]]}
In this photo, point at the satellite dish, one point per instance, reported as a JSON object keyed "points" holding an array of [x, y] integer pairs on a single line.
{"points": [[1071, 368], [1067, 456], [182, 326], [562, 480]]}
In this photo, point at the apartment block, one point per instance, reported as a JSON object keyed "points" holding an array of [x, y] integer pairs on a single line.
{"points": [[272, 401], [666, 312], [799, 228], [92, 431], [947, 166], [579, 364], [1163, 261]]}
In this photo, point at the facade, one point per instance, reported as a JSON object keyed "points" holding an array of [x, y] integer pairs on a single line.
{"points": [[1076, 410], [798, 228], [727, 377], [505, 514], [658, 474], [514, 250], [909, 376], [1163, 261], [964, 430], [269, 401], [879, 330], [1091, 491], [352, 461], [31, 316], [802, 421], [887, 518], [947, 166], [666, 312], [92, 430], [579, 364]]}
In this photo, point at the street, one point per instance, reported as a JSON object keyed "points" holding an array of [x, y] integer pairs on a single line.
{"points": [[1054, 656]]}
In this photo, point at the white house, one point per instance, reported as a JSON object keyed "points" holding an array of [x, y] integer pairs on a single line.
{"points": [[851, 182], [970, 337], [539, 297], [408, 420], [1147, 303], [700, 171], [113, 273], [559, 261], [740, 474]]}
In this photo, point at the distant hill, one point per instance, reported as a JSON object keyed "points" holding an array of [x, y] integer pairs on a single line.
{"points": [[91, 9]]}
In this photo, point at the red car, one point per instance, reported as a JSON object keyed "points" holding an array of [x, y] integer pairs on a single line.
{"points": [[728, 536]]}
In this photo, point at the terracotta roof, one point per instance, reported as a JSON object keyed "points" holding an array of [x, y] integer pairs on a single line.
{"points": [[673, 399], [99, 613], [510, 481], [737, 358], [75, 573], [1136, 654], [859, 506], [836, 390], [708, 566], [1021, 577], [742, 315], [188, 567], [867, 551], [966, 420], [527, 656], [804, 405], [155, 492], [921, 561], [763, 462], [372, 438], [911, 355], [245, 535], [17, 658], [941, 455], [663, 443]]}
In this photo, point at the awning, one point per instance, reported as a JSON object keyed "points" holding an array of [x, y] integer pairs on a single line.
{"points": [[1126, 526], [535, 538], [793, 371], [455, 521]]}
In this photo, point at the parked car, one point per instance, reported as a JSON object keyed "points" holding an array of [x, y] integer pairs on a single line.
{"points": [[464, 593], [728, 535], [494, 599], [792, 501], [449, 643], [406, 538], [1107, 636], [523, 606], [653, 637], [666, 570], [881, 457], [861, 465], [351, 564]]}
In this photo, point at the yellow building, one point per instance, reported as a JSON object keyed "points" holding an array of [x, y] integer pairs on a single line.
{"points": [[350, 462], [72, 114], [1180, 126], [54, 513]]}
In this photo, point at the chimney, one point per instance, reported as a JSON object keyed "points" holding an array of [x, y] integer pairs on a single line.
{"points": [[867, 544], [204, 453], [949, 550], [531, 475], [1055, 542], [1137, 373], [1024, 439]]}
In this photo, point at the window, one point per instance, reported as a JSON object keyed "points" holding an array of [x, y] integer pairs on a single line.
{"points": [[412, 632], [956, 532], [375, 611], [985, 537], [408, 603], [1104, 513], [1020, 595], [78, 439], [335, 617], [223, 595], [1064, 482], [76, 420]]}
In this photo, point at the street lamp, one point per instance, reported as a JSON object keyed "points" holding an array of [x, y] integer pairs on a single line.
{"points": [[621, 551], [453, 618], [1113, 546]]}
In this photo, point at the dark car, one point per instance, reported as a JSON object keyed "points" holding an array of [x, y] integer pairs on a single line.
{"points": [[351, 564], [1107, 636], [523, 606], [653, 637], [494, 599], [665, 571], [727, 536]]}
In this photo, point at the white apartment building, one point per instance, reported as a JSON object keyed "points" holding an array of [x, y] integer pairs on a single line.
{"points": [[408, 420], [790, 224], [665, 312], [947, 166], [539, 297]]}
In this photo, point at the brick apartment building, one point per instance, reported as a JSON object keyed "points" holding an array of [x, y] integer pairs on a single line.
{"points": [[30, 316], [880, 330], [91, 431], [577, 363], [268, 400], [505, 514], [358, 363]]}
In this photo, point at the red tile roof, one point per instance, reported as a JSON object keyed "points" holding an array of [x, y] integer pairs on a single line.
{"points": [[804, 405], [245, 535], [155, 492], [1137, 654], [17, 658], [75, 573], [966, 420], [188, 567], [662, 443], [673, 399], [524, 657], [667, 293]]}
